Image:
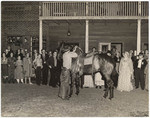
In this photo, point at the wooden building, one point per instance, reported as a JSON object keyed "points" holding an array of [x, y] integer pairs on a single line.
{"points": [[90, 24]]}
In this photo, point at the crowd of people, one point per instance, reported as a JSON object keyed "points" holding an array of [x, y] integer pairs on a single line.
{"points": [[20, 66], [131, 70]]}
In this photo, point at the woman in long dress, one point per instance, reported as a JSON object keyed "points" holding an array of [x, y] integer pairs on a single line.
{"points": [[146, 70], [4, 67], [19, 70], [27, 66], [125, 74], [11, 68]]}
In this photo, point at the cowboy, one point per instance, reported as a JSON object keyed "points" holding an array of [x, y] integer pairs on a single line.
{"points": [[65, 79]]}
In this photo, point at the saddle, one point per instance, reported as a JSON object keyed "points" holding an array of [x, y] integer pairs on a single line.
{"points": [[88, 60]]}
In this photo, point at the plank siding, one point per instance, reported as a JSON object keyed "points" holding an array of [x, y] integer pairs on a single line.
{"points": [[98, 32]]}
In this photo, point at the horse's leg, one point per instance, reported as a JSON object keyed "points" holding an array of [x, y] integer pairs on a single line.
{"points": [[109, 86], [106, 93], [112, 93], [110, 90], [71, 90], [77, 84], [82, 81], [72, 84]]}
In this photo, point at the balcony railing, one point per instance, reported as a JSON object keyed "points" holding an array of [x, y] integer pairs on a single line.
{"points": [[63, 9]]}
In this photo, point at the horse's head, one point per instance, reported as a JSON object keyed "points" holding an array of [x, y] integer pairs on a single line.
{"points": [[60, 50]]}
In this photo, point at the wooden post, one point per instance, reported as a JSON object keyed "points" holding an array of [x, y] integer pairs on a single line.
{"points": [[40, 9], [139, 29], [87, 9], [139, 8], [40, 37], [138, 36], [87, 37]]}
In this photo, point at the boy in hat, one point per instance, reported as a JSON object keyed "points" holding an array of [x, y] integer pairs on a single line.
{"points": [[139, 71]]}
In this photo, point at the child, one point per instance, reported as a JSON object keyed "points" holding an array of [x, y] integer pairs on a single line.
{"points": [[27, 65], [19, 70], [38, 66]]}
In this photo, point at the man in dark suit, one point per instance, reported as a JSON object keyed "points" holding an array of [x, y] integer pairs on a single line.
{"points": [[9, 51], [140, 65], [55, 69], [44, 57]]}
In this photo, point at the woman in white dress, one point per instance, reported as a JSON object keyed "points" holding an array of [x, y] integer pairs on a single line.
{"points": [[125, 73]]}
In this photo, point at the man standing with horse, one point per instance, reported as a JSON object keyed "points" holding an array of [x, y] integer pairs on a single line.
{"points": [[65, 77]]}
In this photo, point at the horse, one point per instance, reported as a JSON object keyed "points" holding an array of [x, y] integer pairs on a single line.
{"points": [[100, 63]]}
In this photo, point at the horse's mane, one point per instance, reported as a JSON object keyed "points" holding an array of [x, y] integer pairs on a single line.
{"points": [[107, 58]]}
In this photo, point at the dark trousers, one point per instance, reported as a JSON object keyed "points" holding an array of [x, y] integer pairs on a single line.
{"points": [[55, 75], [38, 75], [139, 78], [45, 74]]}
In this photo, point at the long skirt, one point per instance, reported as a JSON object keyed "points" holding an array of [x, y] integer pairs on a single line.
{"points": [[11, 73], [4, 69], [19, 72], [28, 71], [146, 82]]}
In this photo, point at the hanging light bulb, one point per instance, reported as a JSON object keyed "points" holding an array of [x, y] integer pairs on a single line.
{"points": [[68, 33]]}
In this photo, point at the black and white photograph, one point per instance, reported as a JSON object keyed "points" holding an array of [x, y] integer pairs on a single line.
{"points": [[74, 58]]}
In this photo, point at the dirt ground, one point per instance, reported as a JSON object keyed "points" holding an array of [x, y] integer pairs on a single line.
{"points": [[19, 100]]}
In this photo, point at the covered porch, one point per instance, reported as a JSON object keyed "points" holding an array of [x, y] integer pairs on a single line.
{"points": [[86, 13]]}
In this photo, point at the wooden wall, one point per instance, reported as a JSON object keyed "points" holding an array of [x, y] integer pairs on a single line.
{"points": [[19, 19], [58, 33], [111, 32], [25, 23]]}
